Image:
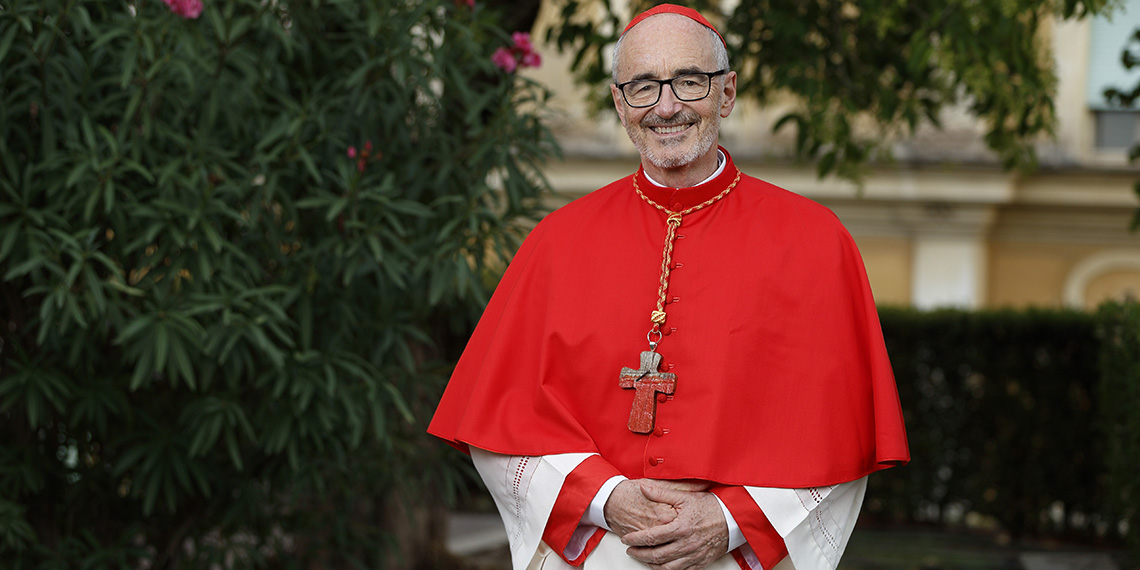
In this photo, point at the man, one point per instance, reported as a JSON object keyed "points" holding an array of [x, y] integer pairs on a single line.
{"points": [[749, 444]]}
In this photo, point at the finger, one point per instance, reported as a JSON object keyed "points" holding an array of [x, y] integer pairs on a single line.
{"points": [[654, 536], [662, 494], [656, 556], [627, 510], [670, 557]]}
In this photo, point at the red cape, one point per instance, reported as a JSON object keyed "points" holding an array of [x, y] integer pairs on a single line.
{"points": [[782, 376]]}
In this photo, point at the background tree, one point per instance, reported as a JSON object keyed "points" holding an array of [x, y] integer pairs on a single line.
{"points": [[239, 244], [864, 74]]}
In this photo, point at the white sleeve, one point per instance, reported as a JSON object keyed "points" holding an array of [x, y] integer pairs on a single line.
{"points": [[815, 522], [524, 489], [596, 514]]}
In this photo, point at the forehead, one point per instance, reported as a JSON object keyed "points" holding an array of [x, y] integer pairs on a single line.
{"points": [[663, 46]]}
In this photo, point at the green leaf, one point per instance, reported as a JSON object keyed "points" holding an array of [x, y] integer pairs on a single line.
{"points": [[152, 486], [6, 42], [238, 28], [397, 400], [89, 205], [119, 286], [205, 435], [81, 168], [182, 365], [161, 343], [336, 208], [25, 267], [88, 132], [8, 237], [234, 450], [310, 165]]}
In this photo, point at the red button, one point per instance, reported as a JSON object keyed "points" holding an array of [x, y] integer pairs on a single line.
{"points": [[655, 460], [677, 206], [662, 398], [658, 431]]}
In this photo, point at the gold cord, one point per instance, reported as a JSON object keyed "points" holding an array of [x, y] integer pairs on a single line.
{"points": [[673, 222]]}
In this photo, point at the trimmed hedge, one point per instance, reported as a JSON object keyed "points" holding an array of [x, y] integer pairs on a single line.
{"points": [[1025, 422], [1119, 422]]}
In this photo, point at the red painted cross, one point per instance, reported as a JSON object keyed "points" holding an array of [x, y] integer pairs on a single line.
{"points": [[647, 382]]}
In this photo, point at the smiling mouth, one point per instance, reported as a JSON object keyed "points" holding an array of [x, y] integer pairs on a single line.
{"points": [[669, 130]]}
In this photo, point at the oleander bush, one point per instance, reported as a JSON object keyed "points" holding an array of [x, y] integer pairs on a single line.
{"points": [[239, 242]]}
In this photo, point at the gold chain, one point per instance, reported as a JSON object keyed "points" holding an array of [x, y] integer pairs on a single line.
{"points": [[673, 222]]}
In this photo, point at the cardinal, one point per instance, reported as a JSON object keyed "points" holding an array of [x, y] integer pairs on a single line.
{"points": [[685, 368]]}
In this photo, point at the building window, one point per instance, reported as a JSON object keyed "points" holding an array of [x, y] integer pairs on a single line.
{"points": [[1116, 127]]}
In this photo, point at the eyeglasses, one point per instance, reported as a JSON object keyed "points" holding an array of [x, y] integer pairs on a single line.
{"points": [[688, 87]]}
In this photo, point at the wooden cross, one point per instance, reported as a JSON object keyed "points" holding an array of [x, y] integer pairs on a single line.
{"points": [[647, 382]]}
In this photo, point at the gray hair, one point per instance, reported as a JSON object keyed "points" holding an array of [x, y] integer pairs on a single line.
{"points": [[719, 52]]}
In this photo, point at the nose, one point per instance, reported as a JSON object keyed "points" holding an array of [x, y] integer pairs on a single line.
{"points": [[668, 104]]}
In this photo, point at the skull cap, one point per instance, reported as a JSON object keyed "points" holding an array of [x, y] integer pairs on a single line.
{"points": [[673, 9]]}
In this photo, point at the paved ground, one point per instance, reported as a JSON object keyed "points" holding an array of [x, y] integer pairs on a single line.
{"points": [[473, 533], [481, 540]]}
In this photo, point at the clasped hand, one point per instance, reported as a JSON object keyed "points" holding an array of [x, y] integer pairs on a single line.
{"points": [[668, 525]]}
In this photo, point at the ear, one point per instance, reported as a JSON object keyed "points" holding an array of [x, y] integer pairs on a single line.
{"points": [[619, 102], [728, 94]]}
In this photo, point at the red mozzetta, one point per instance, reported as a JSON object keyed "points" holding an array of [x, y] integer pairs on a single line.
{"points": [[782, 379]]}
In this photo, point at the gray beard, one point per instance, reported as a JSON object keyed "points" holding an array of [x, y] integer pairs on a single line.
{"points": [[704, 144]]}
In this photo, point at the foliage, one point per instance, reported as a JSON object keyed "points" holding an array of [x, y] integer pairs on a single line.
{"points": [[220, 334], [1119, 333], [865, 73], [1001, 411], [1021, 422]]}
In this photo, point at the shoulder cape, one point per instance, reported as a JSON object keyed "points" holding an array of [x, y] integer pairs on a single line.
{"points": [[782, 376]]}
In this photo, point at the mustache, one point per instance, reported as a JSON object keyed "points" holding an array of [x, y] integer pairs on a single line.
{"points": [[678, 119]]}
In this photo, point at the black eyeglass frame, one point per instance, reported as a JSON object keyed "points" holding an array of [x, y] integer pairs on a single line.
{"points": [[661, 83]]}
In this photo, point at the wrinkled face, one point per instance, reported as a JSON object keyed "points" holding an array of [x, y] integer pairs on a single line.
{"points": [[672, 133]]}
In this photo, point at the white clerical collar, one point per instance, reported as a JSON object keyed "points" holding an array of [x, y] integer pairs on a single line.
{"points": [[720, 162]]}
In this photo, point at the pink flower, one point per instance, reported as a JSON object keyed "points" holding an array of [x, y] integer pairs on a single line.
{"points": [[522, 42], [520, 54], [189, 9], [504, 59], [531, 59], [364, 156]]}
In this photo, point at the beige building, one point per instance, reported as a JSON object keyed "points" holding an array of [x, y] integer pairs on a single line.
{"points": [[943, 225]]}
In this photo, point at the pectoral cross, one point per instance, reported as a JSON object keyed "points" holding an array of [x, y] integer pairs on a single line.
{"points": [[647, 382]]}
